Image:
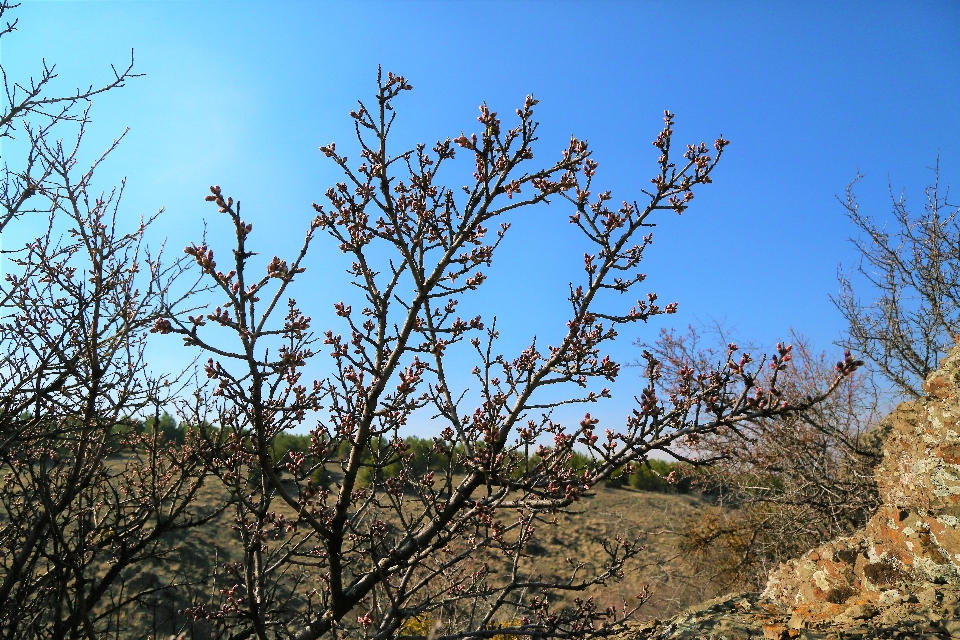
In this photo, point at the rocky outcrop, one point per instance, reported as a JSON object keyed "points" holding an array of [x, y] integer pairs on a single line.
{"points": [[931, 614], [904, 565]]}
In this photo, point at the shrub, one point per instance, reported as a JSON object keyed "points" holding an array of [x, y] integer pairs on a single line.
{"points": [[320, 477], [661, 476], [87, 499], [391, 533]]}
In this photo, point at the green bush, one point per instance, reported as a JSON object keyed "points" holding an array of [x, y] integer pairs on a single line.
{"points": [[617, 480], [166, 428], [321, 477], [369, 472], [652, 476], [283, 443], [423, 458], [580, 461]]}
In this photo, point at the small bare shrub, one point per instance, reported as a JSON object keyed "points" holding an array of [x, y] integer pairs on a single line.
{"points": [[913, 273], [86, 496]]}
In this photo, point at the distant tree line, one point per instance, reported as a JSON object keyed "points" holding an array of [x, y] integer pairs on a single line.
{"points": [[421, 457]]}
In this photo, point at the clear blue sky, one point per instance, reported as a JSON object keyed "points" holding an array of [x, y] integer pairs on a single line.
{"points": [[242, 94]]}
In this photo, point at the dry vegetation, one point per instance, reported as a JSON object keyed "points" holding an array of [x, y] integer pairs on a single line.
{"points": [[662, 570]]}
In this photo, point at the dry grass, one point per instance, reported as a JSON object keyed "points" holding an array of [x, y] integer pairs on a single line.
{"points": [[195, 564], [653, 517]]}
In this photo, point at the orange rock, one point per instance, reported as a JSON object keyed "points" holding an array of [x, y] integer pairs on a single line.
{"points": [[914, 537]]}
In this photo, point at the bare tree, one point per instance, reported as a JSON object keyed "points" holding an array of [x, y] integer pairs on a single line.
{"points": [[86, 494], [796, 481], [788, 482], [914, 272], [389, 548]]}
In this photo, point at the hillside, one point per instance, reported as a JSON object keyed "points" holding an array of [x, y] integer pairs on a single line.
{"points": [[197, 565]]}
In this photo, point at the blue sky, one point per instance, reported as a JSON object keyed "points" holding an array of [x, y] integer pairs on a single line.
{"points": [[242, 94]]}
